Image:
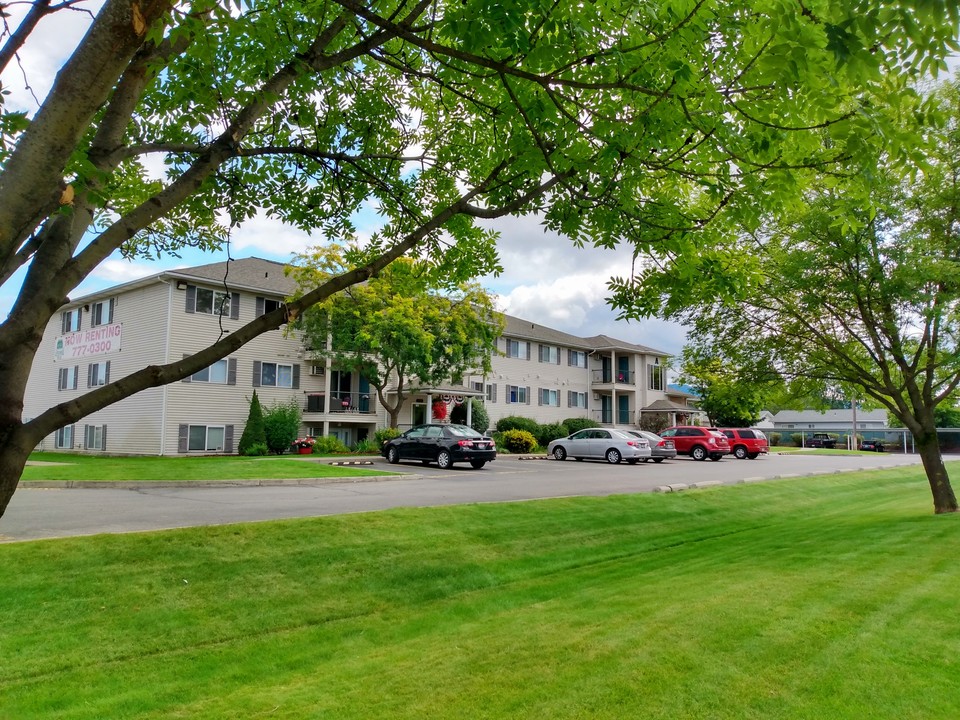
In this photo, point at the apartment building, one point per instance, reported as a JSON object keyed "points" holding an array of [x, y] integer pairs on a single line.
{"points": [[538, 372]]}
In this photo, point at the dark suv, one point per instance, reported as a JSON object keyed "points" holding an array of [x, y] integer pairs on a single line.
{"points": [[822, 440], [746, 442], [698, 442]]}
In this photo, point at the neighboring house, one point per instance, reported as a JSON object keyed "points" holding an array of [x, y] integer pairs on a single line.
{"points": [[826, 420], [539, 372]]}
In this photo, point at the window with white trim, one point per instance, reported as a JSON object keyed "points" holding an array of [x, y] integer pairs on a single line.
{"points": [[94, 437], [549, 397], [518, 349], [576, 358], [205, 438], [516, 394], [70, 321], [101, 313], [98, 374], [212, 302], [576, 399], [67, 378], [216, 373], [265, 305], [550, 354], [492, 392], [64, 438], [276, 375], [656, 375]]}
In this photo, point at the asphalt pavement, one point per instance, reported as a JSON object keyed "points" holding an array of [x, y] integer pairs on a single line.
{"points": [[39, 513]]}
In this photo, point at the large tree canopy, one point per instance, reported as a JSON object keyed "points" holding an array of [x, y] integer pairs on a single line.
{"points": [[859, 297], [619, 120]]}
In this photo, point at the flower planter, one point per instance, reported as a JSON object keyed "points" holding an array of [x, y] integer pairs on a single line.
{"points": [[305, 450]]}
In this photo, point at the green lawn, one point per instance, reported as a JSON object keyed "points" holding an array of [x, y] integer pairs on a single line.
{"points": [[224, 467], [831, 598]]}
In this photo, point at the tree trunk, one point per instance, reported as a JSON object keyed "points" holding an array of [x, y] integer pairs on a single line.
{"points": [[15, 448], [944, 499]]}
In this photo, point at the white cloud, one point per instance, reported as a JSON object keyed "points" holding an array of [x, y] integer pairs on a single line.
{"points": [[270, 237]]}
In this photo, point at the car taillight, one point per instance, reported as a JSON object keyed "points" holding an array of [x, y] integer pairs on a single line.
{"points": [[465, 443], [633, 443]]}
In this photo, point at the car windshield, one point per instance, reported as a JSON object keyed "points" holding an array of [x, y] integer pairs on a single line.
{"points": [[462, 431]]}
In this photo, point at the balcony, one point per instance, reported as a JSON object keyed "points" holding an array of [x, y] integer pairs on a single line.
{"points": [[354, 403], [609, 377]]}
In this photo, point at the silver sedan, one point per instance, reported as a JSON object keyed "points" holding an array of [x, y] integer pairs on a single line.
{"points": [[600, 444]]}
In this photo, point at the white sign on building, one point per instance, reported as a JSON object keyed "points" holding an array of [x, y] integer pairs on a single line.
{"points": [[88, 343]]}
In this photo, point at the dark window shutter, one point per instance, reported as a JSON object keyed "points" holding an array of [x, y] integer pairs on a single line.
{"points": [[529, 355], [540, 395], [76, 376], [234, 306], [191, 299], [228, 439], [256, 373], [64, 323], [62, 379], [259, 309], [183, 434], [494, 393], [106, 373], [90, 375], [232, 371], [528, 395], [103, 438], [569, 398], [86, 437], [113, 302], [188, 378], [296, 376]]}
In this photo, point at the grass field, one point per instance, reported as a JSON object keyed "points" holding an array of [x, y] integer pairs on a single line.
{"points": [[223, 467], [831, 598]]}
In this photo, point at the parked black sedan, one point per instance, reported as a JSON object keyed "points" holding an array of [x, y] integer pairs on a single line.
{"points": [[873, 445], [442, 443]]}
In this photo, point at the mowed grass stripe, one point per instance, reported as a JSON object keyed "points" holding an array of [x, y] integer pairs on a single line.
{"points": [[822, 597]]}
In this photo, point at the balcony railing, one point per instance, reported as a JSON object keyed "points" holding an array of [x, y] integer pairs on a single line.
{"points": [[342, 402], [608, 377]]}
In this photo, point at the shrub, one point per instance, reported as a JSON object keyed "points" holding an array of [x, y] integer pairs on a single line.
{"points": [[255, 450], [281, 423], [366, 447], [654, 422], [479, 418], [329, 445], [515, 422], [796, 439], [254, 433], [384, 434], [579, 423], [518, 441], [774, 439], [551, 431]]}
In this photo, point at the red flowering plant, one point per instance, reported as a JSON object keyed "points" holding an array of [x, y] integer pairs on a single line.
{"points": [[304, 442], [439, 410]]}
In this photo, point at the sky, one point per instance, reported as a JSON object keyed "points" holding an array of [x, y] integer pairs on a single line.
{"points": [[546, 279]]}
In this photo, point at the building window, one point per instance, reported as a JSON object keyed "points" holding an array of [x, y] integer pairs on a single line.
{"points": [[212, 302], [576, 399], [70, 321], [550, 397], [492, 392], [270, 374], [94, 437], [477, 386], [550, 354], [64, 438], [517, 394], [206, 438], [98, 374], [67, 378], [576, 358], [518, 349], [656, 375], [265, 305], [101, 313], [216, 373]]}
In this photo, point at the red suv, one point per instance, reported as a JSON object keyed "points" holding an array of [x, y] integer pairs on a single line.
{"points": [[746, 442], [698, 442]]}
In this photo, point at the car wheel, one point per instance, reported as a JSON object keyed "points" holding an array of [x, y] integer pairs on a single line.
{"points": [[559, 453], [477, 464], [613, 456], [658, 460], [698, 452], [444, 460], [714, 458], [740, 452], [393, 455]]}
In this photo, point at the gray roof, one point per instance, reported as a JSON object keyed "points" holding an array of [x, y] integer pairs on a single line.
{"points": [[249, 273], [815, 416], [526, 330]]}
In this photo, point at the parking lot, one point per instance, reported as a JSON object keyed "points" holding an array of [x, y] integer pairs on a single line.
{"points": [[46, 513]]}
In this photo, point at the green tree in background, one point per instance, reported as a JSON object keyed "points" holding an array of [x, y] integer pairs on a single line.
{"points": [[254, 433]]}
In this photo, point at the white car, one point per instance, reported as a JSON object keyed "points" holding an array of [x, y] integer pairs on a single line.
{"points": [[600, 444]]}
